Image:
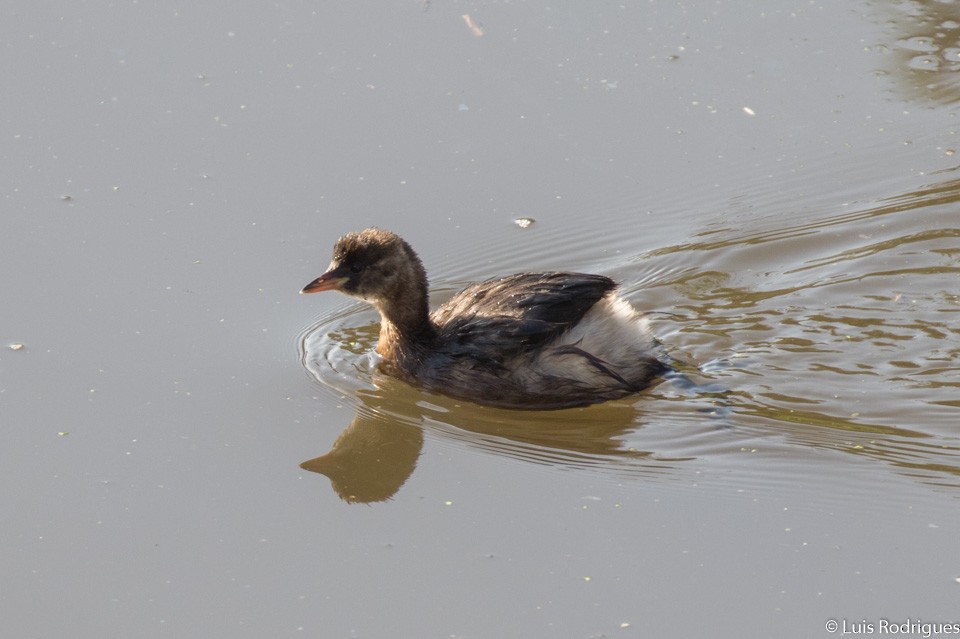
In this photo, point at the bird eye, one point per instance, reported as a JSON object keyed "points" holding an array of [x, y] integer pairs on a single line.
{"points": [[356, 268]]}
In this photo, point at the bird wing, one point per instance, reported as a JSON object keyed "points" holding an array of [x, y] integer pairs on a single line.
{"points": [[502, 317]]}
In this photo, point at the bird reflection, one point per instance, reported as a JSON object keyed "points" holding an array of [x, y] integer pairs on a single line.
{"points": [[376, 454], [371, 459]]}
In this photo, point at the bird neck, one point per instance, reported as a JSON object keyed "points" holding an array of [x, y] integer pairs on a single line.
{"points": [[405, 323]]}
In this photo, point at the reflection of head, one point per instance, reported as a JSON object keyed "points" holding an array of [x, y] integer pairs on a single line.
{"points": [[371, 459]]}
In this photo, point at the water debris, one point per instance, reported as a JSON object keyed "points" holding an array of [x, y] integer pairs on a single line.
{"points": [[475, 28], [524, 222], [16, 347], [66, 198], [749, 111]]}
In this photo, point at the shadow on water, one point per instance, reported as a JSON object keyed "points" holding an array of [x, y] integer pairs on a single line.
{"points": [[926, 49]]}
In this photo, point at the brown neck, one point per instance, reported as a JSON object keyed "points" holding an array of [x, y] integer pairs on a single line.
{"points": [[405, 324], [404, 307]]}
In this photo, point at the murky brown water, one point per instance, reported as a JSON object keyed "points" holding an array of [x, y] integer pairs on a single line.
{"points": [[776, 184]]}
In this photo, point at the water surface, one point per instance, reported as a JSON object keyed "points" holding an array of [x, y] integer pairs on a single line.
{"points": [[775, 184]]}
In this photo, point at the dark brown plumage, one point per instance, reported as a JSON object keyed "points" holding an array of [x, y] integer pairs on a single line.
{"points": [[529, 340]]}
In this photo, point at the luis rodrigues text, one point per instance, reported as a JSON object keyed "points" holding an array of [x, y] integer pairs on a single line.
{"points": [[909, 627]]}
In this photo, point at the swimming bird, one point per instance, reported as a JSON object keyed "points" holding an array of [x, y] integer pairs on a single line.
{"points": [[528, 340]]}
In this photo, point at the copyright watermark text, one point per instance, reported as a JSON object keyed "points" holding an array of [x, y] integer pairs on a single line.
{"points": [[905, 628]]}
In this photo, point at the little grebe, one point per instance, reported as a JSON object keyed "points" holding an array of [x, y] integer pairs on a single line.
{"points": [[529, 340]]}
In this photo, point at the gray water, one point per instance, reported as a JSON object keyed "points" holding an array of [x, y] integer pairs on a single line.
{"points": [[775, 183]]}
